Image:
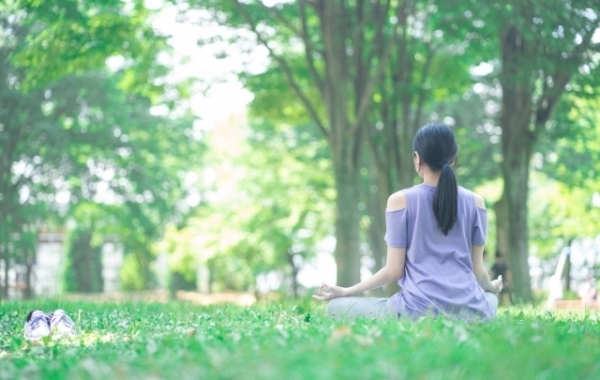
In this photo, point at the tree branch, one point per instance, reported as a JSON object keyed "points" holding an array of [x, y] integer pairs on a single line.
{"points": [[377, 43], [286, 70], [7, 156], [307, 48], [550, 95], [546, 102], [358, 39], [403, 73], [421, 96], [299, 33], [365, 97]]}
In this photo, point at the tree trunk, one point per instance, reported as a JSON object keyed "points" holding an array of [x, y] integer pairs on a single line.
{"points": [[518, 140], [376, 188], [86, 264], [376, 229], [515, 197], [294, 274], [531, 68], [502, 224], [344, 142], [347, 229], [517, 145], [6, 259], [376, 232], [29, 260], [568, 266], [406, 167]]}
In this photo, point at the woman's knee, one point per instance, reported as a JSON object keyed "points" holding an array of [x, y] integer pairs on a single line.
{"points": [[492, 300], [334, 306]]}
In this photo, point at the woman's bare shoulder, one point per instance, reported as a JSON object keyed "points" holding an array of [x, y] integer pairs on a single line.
{"points": [[477, 199], [396, 201]]}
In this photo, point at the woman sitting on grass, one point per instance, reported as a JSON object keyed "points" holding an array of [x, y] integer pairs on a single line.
{"points": [[435, 236]]}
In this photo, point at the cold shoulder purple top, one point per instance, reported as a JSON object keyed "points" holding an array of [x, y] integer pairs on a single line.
{"points": [[438, 276]]}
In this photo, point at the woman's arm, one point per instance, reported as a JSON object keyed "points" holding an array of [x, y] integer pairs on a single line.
{"points": [[481, 274], [392, 271]]}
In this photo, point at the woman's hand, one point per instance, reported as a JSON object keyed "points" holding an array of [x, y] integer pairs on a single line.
{"points": [[329, 292], [498, 284]]}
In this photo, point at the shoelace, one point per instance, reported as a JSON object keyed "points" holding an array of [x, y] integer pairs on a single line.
{"points": [[34, 323], [66, 321]]}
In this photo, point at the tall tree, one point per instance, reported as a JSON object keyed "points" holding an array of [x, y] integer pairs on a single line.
{"points": [[567, 206], [81, 134], [428, 69], [543, 45], [344, 47], [542, 48]]}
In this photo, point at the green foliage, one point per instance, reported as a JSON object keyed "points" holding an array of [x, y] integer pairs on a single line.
{"points": [[275, 101], [277, 213], [88, 151], [179, 243], [275, 341], [71, 128], [177, 281], [561, 213], [108, 150], [132, 275], [68, 37], [565, 204], [537, 50], [477, 135], [570, 150]]}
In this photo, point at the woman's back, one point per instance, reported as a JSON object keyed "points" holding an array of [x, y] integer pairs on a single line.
{"points": [[438, 276], [435, 237]]}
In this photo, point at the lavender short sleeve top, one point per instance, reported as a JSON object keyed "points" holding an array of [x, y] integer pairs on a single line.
{"points": [[438, 276]]}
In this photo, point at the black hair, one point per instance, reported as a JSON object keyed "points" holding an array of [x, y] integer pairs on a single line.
{"points": [[437, 147]]}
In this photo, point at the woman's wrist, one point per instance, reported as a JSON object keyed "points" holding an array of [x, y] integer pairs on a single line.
{"points": [[491, 288], [348, 291], [495, 289]]}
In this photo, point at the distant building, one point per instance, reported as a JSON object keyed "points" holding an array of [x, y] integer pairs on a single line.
{"points": [[112, 260], [50, 262]]}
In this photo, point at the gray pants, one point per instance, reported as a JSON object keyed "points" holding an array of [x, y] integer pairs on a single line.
{"points": [[493, 300], [366, 307], [377, 308]]}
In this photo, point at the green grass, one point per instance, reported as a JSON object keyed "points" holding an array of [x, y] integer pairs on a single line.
{"points": [[273, 341]]}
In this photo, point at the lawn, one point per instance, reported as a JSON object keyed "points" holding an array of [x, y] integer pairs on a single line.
{"points": [[293, 341]]}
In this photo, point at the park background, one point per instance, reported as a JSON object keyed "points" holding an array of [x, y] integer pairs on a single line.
{"points": [[158, 156], [249, 147]]}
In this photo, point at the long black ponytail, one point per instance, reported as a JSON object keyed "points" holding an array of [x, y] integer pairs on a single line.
{"points": [[437, 147]]}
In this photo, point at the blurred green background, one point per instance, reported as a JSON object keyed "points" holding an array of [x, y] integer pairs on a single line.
{"points": [[250, 146]]}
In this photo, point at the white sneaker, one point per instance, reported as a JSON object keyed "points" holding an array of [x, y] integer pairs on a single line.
{"points": [[61, 323], [36, 326]]}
